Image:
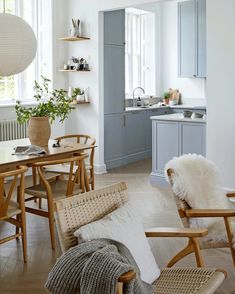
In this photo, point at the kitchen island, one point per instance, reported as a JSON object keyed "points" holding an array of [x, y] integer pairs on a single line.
{"points": [[174, 135]]}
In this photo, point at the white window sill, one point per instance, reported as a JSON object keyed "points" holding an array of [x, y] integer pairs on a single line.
{"points": [[13, 104]]}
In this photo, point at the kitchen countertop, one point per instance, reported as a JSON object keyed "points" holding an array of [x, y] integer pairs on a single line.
{"points": [[199, 107], [177, 117]]}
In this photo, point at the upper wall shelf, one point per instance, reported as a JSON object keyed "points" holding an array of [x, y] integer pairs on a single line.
{"points": [[74, 39]]}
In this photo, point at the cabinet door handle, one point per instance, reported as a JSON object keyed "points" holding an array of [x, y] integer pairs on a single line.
{"points": [[124, 120]]}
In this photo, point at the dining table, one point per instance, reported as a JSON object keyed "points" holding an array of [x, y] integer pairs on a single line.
{"points": [[9, 160]]}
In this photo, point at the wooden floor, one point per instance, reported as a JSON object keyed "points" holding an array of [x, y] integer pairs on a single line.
{"points": [[157, 208]]}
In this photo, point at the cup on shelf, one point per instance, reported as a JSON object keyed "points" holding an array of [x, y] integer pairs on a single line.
{"points": [[81, 98]]}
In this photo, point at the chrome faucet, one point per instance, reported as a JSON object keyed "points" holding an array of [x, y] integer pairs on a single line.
{"points": [[140, 88]]}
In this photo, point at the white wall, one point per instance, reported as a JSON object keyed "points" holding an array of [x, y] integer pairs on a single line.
{"points": [[220, 87], [191, 89]]}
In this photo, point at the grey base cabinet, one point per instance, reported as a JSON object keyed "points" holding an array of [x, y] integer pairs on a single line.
{"points": [[128, 136], [171, 139]]}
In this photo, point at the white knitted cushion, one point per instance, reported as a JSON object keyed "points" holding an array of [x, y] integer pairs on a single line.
{"points": [[124, 226]]}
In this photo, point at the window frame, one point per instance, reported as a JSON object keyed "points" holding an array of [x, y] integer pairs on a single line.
{"points": [[21, 77], [130, 53]]}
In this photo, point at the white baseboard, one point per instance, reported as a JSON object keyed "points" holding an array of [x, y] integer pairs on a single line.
{"points": [[100, 169]]}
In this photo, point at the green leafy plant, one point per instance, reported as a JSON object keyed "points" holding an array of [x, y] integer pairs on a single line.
{"points": [[76, 92], [166, 95], [50, 103]]}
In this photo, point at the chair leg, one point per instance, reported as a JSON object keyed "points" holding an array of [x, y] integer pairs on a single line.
{"points": [[230, 236], [17, 228], [92, 179], [51, 222], [184, 252], [197, 249], [24, 238], [18, 216], [40, 203]]}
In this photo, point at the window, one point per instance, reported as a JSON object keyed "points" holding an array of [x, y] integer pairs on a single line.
{"points": [[38, 14], [140, 51]]}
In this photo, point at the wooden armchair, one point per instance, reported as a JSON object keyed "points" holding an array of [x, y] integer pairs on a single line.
{"points": [[52, 189], [13, 211], [89, 164], [186, 212], [77, 211]]}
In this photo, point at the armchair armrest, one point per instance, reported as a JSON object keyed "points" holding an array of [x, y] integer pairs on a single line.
{"points": [[127, 277], [209, 213], [175, 232]]}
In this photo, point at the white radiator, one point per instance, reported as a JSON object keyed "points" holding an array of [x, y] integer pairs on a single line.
{"points": [[12, 130]]}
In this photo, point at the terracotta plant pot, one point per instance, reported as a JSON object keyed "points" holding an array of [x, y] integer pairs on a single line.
{"points": [[166, 101], [39, 131]]}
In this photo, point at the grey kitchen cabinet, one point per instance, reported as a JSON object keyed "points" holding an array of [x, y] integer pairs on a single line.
{"points": [[135, 132], [114, 79], [114, 27], [128, 136], [192, 38], [174, 138], [166, 143], [193, 138], [148, 114], [201, 38], [114, 145]]}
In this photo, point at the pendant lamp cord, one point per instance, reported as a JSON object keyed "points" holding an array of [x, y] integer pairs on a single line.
{"points": [[4, 6]]}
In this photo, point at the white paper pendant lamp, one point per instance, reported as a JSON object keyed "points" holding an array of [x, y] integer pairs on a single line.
{"points": [[18, 44]]}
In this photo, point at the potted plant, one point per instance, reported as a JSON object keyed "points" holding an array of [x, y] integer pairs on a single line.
{"points": [[78, 95], [166, 98], [50, 104]]}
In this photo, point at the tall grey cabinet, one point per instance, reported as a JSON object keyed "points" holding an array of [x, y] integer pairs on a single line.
{"points": [[192, 38], [114, 61]]}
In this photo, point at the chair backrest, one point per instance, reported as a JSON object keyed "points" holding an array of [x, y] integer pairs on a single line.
{"points": [[75, 162], [182, 205], [76, 211], [83, 139], [6, 194]]}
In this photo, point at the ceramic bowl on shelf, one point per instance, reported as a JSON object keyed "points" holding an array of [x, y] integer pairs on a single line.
{"points": [[198, 115], [187, 113]]}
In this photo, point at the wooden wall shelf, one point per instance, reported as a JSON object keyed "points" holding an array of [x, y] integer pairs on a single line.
{"points": [[81, 102], [73, 70], [74, 39]]}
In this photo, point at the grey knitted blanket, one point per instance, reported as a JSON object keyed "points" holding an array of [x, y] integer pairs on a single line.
{"points": [[94, 268]]}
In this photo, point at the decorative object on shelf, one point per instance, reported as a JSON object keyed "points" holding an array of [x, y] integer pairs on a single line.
{"points": [[50, 104], [174, 96], [166, 98], [74, 31], [78, 95], [87, 95], [18, 44], [76, 64]]}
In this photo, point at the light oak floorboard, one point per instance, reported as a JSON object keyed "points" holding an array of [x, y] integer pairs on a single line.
{"points": [[156, 206]]}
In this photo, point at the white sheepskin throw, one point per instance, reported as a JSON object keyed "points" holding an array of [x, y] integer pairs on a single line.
{"points": [[196, 180]]}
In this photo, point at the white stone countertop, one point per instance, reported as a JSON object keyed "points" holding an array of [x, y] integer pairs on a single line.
{"points": [[178, 117], [199, 107]]}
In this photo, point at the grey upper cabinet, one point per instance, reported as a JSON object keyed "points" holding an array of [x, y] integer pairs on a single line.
{"points": [[192, 38], [187, 38], [114, 27], [114, 61], [114, 79], [201, 38]]}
